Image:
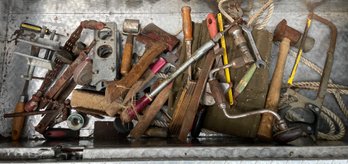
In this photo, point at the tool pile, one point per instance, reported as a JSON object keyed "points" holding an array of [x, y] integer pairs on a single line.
{"points": [[216, 79]]}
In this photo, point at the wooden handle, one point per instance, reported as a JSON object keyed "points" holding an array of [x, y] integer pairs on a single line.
{"points": [[18, 122], [186, 22], [265, 128], [127, 56], [211, 24], [95, 102]]}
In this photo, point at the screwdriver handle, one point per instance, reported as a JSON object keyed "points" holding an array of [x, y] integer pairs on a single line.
{"points": [[18, 122], [186, 22], [212, 26], [245, 80], [129, 114], [158, 65], [31, 27]]}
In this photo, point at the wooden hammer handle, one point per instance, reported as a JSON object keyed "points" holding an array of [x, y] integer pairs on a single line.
{"points": [[186, 22], [265, 128], [127, 56], [18, 122]]}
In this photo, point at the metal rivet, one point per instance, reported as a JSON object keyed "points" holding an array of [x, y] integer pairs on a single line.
{"points": [[317, 109]]}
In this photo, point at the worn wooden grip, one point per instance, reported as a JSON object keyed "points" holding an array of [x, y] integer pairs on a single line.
{"points": [[186, 22], [265, 128], [127, 56], [217, 92], [95, 102], [18, 122]]}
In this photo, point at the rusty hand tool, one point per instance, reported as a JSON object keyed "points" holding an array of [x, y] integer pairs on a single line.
{"points": [[61, 110], [187, 29], [131, 27], [66, 77], [32, 104], [144, 101], [158, 41], [83, 72], [225, 58], [46, 121], [288, 36], [299, 53]]}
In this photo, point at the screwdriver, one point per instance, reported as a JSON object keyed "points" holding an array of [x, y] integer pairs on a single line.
{"points": [[35, 28]]}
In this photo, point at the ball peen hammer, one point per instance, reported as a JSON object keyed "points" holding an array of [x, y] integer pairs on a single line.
{"points": [[131, 27], [288, 37]]}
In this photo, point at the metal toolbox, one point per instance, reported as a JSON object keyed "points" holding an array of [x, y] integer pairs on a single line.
{"points": [[64, 16]]}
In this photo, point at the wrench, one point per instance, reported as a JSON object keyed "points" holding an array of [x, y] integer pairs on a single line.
{"points": [[259, 61]]}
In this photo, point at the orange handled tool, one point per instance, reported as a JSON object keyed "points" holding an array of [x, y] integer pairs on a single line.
{"points": [[212, 26], [187, 29], [18, 122], [187, 23]]}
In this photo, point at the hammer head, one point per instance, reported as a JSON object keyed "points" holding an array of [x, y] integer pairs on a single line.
{"points": [[155, 33], [131, 26], [284, 31]]}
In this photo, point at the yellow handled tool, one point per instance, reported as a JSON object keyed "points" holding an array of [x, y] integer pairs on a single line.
{"points": [[36, 28], [300, 50], [32, 27], [225, 58]]}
